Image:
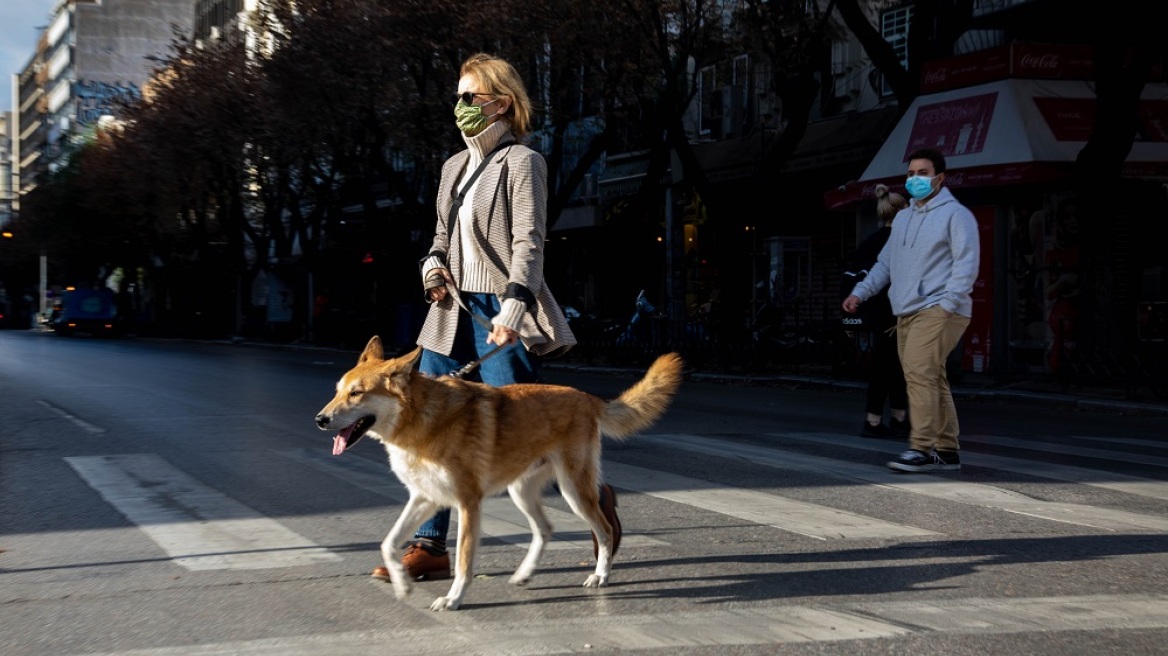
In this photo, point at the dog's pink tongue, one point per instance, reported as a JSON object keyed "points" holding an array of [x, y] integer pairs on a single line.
{"points": [[341, 439]]}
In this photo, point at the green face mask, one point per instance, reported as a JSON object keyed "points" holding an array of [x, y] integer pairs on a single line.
{"points": [[470, 118]]}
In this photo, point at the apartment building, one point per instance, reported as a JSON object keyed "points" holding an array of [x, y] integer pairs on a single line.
{"points": [[215, 18], [6, 193], [92, 56]]}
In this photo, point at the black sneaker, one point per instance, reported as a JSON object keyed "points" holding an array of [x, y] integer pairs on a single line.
{"points": [[899, 428], [946, 461], [918, 461], [876, 430], [911, 461]]}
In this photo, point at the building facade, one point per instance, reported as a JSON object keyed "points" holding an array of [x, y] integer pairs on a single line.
{"points": [[91, 57], [798, 225], [7, 195]]}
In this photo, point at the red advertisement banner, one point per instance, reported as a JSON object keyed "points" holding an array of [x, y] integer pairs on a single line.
{"points": [[954, 127]]}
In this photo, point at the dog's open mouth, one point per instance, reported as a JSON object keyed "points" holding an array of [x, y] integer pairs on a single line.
{"points": [[352, 434]]}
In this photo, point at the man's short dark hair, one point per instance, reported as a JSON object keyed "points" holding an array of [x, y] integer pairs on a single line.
{"points": [[931, 154]]}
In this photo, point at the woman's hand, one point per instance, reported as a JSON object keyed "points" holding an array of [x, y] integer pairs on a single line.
{"points": [[436, 294], [502, 335]]}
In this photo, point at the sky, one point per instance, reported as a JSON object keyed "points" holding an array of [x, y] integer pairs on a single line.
{"points": [[19, 20]]}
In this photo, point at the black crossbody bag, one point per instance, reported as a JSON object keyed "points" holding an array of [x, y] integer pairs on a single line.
{"points": [[461, 196]]}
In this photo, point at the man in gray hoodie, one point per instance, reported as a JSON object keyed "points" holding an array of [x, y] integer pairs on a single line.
{"points": [[931, 260]]}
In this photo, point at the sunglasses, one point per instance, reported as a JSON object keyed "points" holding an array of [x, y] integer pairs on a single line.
{"points": [[466, 97]]}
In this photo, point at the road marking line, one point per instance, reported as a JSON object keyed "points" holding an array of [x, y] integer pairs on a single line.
{"points": [[1069, 450], [938, 487], [85, 425], [197, 526], [500, 519], [1126, 483], [808, 519], [768, 625]]}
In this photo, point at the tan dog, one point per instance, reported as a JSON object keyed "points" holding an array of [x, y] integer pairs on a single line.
{"points": [[453, 443]]}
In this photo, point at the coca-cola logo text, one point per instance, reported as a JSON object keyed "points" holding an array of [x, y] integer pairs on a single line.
{"points": [[1046, 62]]}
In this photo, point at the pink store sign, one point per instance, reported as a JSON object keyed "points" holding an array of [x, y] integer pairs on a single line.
{"points": [[954, 127]]}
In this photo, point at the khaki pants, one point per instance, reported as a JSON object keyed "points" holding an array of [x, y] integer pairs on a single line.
{"points": [[924, 341]]}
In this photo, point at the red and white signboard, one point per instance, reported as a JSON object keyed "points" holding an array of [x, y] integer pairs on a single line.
{"points": [[1047, 61], [1009, 132], [958, 125]]}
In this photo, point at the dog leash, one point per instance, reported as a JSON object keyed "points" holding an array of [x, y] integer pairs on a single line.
{"points": [[482, 321], [450, 220]]}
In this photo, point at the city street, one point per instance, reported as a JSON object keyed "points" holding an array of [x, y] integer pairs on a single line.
{"points": [[169, 497]]}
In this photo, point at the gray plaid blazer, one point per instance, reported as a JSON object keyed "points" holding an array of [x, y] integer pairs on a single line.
{"points": [[509, 220]]}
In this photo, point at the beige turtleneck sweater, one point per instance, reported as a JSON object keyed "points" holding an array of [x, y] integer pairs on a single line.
{"points": [[512, 309]]}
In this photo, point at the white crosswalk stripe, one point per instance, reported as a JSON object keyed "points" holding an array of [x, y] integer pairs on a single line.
{"points": [[800, 517], [200, 528], [769, 625], [940, 487], [1068, 449], [1107, 480], [210, 531]]}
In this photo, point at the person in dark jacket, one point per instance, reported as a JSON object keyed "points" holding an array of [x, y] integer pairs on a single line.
{"points": [[885, 376]]}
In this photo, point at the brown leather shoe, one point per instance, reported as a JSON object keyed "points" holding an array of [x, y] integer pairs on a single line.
{"points": [[608, 507], [421, 564]]}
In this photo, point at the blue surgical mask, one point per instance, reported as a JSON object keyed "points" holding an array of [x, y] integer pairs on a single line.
{"points": [[918, 186]]}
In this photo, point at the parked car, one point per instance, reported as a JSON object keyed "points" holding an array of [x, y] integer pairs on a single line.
{"points": [[86, 311]]}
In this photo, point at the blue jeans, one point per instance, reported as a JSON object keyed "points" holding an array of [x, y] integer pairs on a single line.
{"points": [[511, 365]]}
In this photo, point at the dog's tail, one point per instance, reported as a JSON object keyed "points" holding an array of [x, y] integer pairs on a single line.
{"points": [[641, 405]]}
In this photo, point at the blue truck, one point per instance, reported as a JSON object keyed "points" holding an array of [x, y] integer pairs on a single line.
{"points": [[91, 311]]}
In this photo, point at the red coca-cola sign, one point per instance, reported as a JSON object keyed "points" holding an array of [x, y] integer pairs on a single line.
{"points": [[1020, 60], [965, 70], [1052, 61], [1044, 62]]}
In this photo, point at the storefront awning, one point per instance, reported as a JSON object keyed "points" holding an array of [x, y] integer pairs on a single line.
{"points": [[1012, 131]]}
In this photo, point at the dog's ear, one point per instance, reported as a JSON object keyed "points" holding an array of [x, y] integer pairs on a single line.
{"points": [[401, 368], [373, 351], [409, 361]]}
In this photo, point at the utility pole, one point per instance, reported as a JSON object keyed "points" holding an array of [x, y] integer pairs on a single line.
{"points": [[44, 287], [674, 259]]}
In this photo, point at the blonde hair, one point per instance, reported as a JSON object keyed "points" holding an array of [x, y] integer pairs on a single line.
{"points": [[888, 204], [500, 79]]}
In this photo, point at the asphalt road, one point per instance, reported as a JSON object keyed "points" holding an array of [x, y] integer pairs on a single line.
{"points": [[175, 498]]}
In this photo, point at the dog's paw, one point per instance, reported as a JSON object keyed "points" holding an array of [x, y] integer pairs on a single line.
{"points": [[401, 585], [444, 603], [402, 589], [596, 581], [520, 580]]}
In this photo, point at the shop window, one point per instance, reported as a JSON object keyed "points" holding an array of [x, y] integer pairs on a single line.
{"points": [[708, 111], [787, 269]]}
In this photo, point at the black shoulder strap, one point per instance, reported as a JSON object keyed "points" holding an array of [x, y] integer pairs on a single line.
{"points": [[457, 204]]}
